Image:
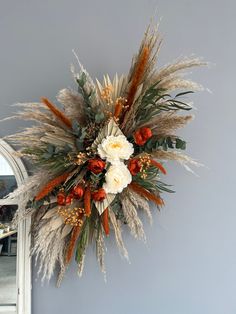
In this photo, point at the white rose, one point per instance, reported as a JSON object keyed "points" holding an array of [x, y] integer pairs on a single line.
{"points": [[115, 148], [117, 178]]}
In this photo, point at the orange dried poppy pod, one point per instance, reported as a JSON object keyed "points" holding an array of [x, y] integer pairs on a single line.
{"points": [[146, 133], [142, 135], [99, 195], [61, 198], [69, 198], [78, 191], [134, 166], [96, 165]]}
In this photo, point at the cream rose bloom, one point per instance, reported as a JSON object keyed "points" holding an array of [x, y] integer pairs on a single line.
{"points": [[117, 178], [115, 148]]}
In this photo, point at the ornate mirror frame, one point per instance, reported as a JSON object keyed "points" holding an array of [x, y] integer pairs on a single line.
{"points": [[23, 273]]}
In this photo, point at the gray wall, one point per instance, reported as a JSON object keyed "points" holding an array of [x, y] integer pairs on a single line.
{"points": [[189, 263]]}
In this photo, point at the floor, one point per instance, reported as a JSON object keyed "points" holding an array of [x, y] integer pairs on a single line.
{"points": [[7, 280]]}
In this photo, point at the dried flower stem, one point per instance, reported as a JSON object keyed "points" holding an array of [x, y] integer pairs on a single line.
{"points": [[118, 109], [72, 243], [137, 76], [151, 197], [87, 201], [158, 165], [105, 221], [51, 185], [60, 115]]}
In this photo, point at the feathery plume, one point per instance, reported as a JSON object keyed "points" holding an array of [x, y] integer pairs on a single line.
{"points": [[117, 230], [166, 124], [105, 221], [137, 76], [87, 201], [131, 217], [60, 115], [51, 185], [140, 202], [74, 236], [143, 192], [158, 165]]}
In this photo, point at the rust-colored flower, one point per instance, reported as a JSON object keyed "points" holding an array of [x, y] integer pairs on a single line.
{"points": [[142, 135], [134, 166], [96, 165], [61, 198], [69, 198], [78, 191], [99, 195]]}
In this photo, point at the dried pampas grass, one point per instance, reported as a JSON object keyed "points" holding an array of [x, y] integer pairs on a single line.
{"points": [[141, 203], [179, 65], [73, 104], [131, 216], [167, 124], [100, 250], [118, 234], [48, 249]]}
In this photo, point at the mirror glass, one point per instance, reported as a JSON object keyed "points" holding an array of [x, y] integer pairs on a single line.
{"points": [[8, 237]]}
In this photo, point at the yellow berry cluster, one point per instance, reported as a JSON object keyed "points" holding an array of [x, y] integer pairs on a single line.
{"points": [[73, 216], [122, 101], [121, 105], [145, 162], [81, 158], [106, 94]]}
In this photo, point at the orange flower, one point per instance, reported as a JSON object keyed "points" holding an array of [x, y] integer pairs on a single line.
{"points": [[96, 165], [99, 195], [134, 166], [61, 198], [78, 191], [142, 135], [69, 198]]}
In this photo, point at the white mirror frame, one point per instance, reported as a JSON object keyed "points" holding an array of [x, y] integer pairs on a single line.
{"points": [[23, 272]]}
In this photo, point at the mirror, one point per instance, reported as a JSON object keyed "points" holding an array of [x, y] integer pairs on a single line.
{"points": [[8, 238], [15, 263]]}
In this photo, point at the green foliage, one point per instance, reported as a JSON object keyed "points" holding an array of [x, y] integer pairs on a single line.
{"points": [[97, 180], [94, 223], [89, 95], [117, 208], [151, 182], [82, 241], [75, 179], [54, 151], [54, 158], [80, 133], [88, 231], [155, 143], [155, 100], [99, 117]]}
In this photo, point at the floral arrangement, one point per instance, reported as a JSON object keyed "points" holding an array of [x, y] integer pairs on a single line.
{"points": [[98, 157]]}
